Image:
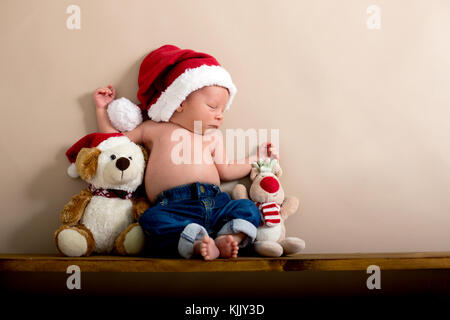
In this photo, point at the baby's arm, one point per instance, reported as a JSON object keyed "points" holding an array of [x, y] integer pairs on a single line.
{"points": [[232, 171], [103, 97]]}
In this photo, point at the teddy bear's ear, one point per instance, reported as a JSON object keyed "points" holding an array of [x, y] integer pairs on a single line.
{"points": [[254, 173], [277, 170], [86, 162], [145, 153]]}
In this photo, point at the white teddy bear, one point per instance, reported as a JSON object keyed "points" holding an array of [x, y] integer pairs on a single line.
{"points": [[102, 218]]}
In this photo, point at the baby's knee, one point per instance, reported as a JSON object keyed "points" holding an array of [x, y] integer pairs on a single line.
{"points": [[249, 211], [151, 218]]}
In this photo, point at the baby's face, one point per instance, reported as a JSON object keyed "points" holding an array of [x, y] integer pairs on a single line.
{"points": [[206, 105]]}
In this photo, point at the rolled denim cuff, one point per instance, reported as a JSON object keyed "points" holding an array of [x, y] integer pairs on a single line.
{"points": [[239, 225], [191, 233]]}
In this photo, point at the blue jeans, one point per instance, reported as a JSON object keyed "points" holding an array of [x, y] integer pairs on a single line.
{"points": [[186, 213]]}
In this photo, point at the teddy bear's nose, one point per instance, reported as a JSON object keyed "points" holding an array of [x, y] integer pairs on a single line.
{"points": [[122, 163], [269, 184]]}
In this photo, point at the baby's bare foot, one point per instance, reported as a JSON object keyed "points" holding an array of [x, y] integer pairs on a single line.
{"points": [[228, 247], [207, 248]]}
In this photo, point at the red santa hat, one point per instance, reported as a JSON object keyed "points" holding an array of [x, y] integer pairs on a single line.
{"points": [[102, 141], [168, 75]]}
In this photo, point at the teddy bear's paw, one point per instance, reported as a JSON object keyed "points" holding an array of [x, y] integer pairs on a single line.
{"points": [[73, 241], [268, 248], [134, 240], [131, 241], [292, 245]]}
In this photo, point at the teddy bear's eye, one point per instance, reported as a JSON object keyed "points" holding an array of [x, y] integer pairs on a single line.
{"points": [[113, 157], [130, 158]]}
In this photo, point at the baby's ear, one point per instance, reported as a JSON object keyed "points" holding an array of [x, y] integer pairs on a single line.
{"points": [[253, 173], [277, 170], [180, 108], [86, 162]]}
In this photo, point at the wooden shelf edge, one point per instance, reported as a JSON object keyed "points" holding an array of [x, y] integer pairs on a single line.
{"points": [[302, 262]]}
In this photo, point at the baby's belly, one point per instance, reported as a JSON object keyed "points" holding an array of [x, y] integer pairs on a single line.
{"points": [[161, 177]]}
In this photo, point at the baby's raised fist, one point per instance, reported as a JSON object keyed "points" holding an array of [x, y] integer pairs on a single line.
{"points": [[268, 150], [104, 96]]}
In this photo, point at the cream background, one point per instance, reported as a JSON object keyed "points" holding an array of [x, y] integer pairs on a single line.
{"points": [[363, 114]]}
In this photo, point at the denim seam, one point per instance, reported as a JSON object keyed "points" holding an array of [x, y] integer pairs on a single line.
{"points": [[186, 237], [206, 203]]}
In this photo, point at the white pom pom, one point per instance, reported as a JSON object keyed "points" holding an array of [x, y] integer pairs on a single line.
{"points": [[72, 171], [124, 114]]}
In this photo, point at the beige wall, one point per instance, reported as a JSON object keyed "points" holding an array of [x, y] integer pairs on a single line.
{"points": [[363, 114]]}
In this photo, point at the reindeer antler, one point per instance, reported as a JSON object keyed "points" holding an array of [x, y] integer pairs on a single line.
{"points": [[266, 165]]}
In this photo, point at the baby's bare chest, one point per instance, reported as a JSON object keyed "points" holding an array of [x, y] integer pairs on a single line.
{"points": [[182, 146]]}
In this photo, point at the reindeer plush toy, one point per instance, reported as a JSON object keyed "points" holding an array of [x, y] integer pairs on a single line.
{"points": [[268, 195]]}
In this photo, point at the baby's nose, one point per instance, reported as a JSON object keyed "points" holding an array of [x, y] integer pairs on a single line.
{"points": [[122, 163], [269, 184]]}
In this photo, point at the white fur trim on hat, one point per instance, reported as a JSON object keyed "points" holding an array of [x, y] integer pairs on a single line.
{"points": [[124, 114], [72, 171], [189, 81], [112, 142]]}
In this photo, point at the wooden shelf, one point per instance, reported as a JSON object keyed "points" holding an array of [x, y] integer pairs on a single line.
{"points": [[314, 262]]}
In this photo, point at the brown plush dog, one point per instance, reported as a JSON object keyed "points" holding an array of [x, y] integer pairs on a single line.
{"points": [[102, 218], [268, 195]]}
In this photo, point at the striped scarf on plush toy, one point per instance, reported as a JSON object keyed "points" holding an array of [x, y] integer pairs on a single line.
{"points": [[270, 213]]}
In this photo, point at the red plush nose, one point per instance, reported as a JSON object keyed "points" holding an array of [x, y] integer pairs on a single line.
{"points": [[269, 184]]}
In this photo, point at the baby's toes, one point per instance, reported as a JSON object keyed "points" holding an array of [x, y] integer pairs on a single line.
{"points": [[234, 249]]}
